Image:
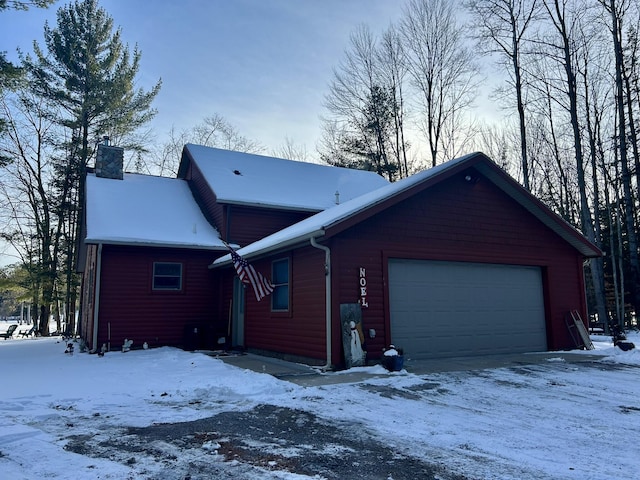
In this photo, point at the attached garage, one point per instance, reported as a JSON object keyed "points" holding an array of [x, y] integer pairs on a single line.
{"points": [[447, 309], [458, 260]]}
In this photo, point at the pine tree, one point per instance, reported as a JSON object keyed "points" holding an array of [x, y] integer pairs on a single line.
{"points": [[89, 74], [9, 73]]}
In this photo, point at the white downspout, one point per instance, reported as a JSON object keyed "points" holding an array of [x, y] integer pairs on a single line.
{"points": [[327, 280], [96, 298]]}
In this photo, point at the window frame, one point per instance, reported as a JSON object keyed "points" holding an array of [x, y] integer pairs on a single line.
{"points": [[155, 275], [277, 286]]}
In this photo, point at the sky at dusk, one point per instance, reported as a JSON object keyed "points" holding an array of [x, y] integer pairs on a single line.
{"points": [[263, 65]]}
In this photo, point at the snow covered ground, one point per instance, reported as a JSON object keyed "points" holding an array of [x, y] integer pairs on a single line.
{"points": [[61, 415]]}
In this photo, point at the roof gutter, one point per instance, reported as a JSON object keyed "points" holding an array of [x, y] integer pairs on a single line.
{"points": [[255, 249], [327, 280], [143, 243]]}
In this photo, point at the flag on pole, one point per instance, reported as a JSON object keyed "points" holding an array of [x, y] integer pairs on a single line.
{"points": [[261, 286]]}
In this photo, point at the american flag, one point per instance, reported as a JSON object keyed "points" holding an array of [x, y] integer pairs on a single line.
{"points": [[261, 286]]}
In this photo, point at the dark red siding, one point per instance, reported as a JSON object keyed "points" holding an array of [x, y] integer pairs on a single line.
{"points": [[206, 198], [300, 332], [249, 224], [237, 223], [348, 254], [130, 308], [452, 221], [456, 221]]}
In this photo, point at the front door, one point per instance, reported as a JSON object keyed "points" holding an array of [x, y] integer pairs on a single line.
{"points": [[237, 313]]}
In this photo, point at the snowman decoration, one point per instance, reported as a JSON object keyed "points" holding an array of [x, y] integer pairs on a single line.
{"points": [[357, 352]]}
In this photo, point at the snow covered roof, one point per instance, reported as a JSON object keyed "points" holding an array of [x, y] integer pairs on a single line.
{"points": [[249, 179], [146, 210], [316, 225]]}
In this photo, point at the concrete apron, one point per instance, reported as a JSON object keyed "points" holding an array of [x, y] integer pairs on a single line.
{"points": [[307, 376]]}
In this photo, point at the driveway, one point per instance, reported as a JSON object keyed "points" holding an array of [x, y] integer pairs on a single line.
{"points": [[239, 444], [307, 376], [277, 442]]}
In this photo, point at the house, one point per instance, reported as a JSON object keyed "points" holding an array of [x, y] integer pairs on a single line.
{"points": [[148, 240], [455, 260]]}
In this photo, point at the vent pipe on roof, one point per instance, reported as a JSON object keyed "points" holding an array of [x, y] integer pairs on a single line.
{"points": [[337, 197]]}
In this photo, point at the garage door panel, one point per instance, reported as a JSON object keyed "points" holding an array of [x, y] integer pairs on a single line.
{"points": [[455, 308]]}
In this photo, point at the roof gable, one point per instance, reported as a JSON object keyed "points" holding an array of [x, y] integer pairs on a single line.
{"points": [[337, 218], [146, 210], [257, 180]]}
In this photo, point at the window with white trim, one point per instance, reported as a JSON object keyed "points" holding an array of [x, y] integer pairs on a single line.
{"points": [[167, 276], [280, 281]]}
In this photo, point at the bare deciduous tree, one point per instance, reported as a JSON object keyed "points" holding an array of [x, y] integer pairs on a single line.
{"points": [[565, 41], [26, 184], [291, 151], [213, 131], [443, 71], [365, 104], [393, 69], [501, 26]]}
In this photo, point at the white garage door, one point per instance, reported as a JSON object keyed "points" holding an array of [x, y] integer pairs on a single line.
{"points": [[447, 309]]}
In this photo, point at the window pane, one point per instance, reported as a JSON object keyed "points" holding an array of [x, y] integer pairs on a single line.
{"points": [[167, 276], [172, 269], [280, 280], [167, 283], [280, 298], [280, 272]]}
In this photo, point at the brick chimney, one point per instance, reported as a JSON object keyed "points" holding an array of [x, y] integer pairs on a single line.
{"points": [[109, 161]]}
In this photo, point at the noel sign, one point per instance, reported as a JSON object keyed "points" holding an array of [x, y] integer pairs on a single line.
{"points": [[363, 288]]}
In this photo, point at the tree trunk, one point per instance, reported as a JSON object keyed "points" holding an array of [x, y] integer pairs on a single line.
{"points": [[634, 261], [521, 119], [571, 84], [597, 264]]}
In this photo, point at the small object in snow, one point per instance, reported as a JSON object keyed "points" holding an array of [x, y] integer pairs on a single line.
{"points": [[556, 359], [619, 338], [211, 446], [145, 345], [126, 346], [393, 359], [392, 351], [69, 349], [102, 350], [625, 345]]}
